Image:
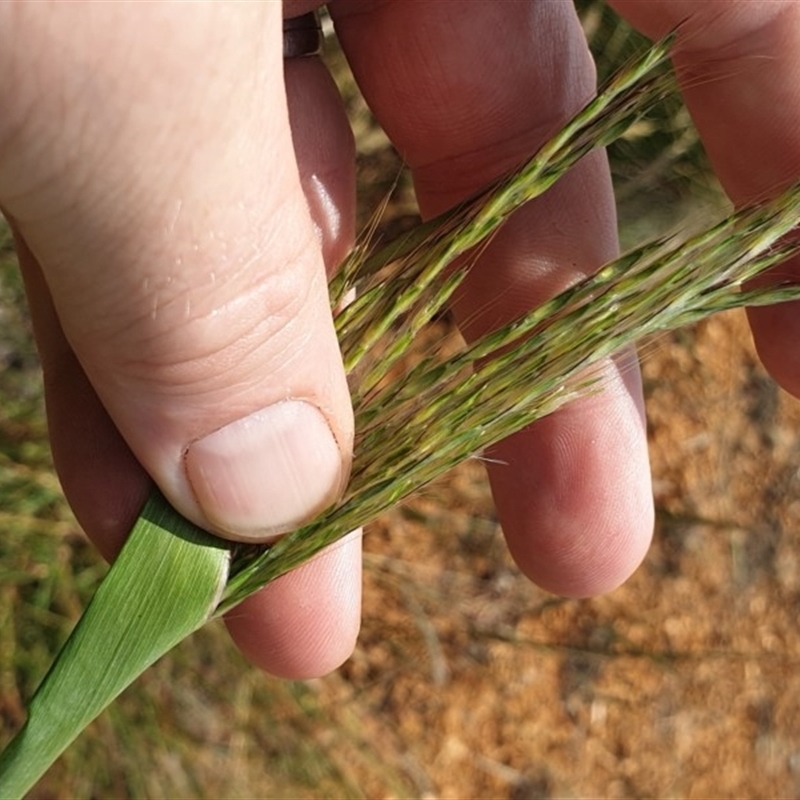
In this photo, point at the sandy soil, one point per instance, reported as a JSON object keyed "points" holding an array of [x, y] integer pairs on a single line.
{"points": [[683, 683]]}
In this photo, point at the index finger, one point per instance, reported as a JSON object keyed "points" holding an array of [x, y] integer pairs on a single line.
{"points": [[466, 91]]}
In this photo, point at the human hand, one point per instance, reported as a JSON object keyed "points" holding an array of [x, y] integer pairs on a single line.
{"points": [[174, 257], [467, 91], [573, 491]]}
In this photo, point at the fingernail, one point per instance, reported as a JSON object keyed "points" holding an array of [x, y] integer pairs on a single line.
{"points": [[268, 473]]}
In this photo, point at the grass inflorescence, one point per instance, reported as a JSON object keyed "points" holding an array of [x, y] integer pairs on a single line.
{"points": [[446, 409]]}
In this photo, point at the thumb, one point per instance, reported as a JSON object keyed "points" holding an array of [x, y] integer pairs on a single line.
{"points": [[167, 214]]}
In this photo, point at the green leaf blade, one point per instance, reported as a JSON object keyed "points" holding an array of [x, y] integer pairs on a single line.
{"points": [[164, 585]]}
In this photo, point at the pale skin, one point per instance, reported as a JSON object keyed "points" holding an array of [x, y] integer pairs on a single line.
{"points": [[175, 217]]}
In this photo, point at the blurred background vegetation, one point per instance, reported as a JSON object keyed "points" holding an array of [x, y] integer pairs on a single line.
{"points": [[469, 682]]}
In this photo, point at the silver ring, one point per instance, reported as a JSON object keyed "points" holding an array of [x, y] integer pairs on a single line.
{"points": [[302, 36]]}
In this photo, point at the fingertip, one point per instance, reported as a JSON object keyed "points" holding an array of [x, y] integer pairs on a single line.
{"points": [[774, 329], [304, 624], [574, 492], [591, 551]]}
